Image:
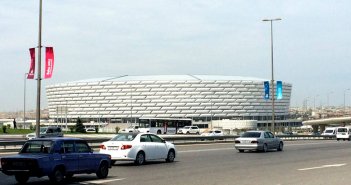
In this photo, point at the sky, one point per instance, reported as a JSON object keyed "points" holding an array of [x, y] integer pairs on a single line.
{"points": [[103, 38]]}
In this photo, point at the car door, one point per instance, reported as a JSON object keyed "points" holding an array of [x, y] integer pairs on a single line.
{"points": [[160, 150], [69, 158], [86, 157], [147, 146], [268, 140]]}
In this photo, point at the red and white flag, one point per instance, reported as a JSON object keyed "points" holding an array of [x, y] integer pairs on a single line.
{"points": [[32, 64], [49, 62]]}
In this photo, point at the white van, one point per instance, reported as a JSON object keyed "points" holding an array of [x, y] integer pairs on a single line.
{"points": [[343, 133], [329, 131]]}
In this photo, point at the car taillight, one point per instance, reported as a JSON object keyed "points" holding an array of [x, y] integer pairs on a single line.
{"points": [[237, 141], [254, 141], [125, 147], [102, 147]]}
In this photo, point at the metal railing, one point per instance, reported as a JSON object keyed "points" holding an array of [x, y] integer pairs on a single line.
{"points": [[12, 146]]}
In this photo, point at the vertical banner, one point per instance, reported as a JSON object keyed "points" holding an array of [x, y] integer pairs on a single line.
{"points": [[32, 63], [49, 62], [266, 90], [279, 90]]}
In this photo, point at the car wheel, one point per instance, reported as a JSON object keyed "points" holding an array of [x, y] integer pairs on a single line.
{"points": [[337, 139], [170, 156], [197, 133], [187, 132], [265, 148], [102, 172], [21, 178], [280, 146], [57, 176], [241, 151], [140, 158], [113, 162], [159, 132]]}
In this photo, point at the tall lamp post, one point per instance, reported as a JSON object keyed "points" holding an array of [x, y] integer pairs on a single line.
{"points": [[272, 80], [37, 125], [24, 99], [345, 98]]}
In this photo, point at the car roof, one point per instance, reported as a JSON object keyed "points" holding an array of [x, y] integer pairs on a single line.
{"points": [[57, 139]]}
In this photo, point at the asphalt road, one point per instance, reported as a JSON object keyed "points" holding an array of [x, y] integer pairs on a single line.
{"points": [[301, 162]]}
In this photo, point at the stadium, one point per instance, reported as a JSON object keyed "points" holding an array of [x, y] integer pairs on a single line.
{"points": [[202, 98]]}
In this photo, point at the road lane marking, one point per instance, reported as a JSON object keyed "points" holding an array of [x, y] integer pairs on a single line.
{"points": [[101, 181], [324, 166]]}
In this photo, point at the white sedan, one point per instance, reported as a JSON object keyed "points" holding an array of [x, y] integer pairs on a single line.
{"points": [[212, 133], [138, 147]]}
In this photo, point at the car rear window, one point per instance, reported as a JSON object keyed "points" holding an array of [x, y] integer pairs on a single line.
{"points": [[124, 137], [37, 147], [342, 130], [251, 134]]}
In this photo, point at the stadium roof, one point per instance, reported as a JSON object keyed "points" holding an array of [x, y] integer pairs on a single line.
{"points": [[171, 78]]}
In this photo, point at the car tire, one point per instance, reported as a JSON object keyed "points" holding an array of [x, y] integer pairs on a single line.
{"points": [[57, 176], [113, 162], [198, 133], [140, 158], [170, 156], [241, 151], [102, 171], [21, 178], [187, 132], [280, 146], [159, 132], [265, 148]]}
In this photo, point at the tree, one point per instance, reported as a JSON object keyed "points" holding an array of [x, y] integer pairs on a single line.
{"points": [[79, 126]]}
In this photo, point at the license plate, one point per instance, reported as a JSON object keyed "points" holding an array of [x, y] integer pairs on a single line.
{"points": [[113, 147], [245, 141], [18, 164]]}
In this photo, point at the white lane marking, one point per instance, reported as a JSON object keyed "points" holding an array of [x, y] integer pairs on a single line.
{"points": [[101, 181], [324, 166]]}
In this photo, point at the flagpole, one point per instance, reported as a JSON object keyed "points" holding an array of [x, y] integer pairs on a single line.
{"points": [[37, 130]]}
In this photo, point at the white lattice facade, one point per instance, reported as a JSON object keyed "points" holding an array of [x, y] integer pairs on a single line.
{"points": [[167, 96]]}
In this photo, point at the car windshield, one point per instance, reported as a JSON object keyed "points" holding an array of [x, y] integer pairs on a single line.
{"points": [[43, 129], [252, 134], [187, 127], [39, 147], [342, 130], [328, 131], [124, 137]]}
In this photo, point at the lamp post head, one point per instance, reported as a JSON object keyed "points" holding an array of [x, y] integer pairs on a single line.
{"points": [[276, 19]]}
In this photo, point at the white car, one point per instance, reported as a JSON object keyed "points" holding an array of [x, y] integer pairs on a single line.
{"points": [[131, 129], [138, 147], [189, 130], [212, 133]]}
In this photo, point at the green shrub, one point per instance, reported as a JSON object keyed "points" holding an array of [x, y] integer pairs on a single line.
{"points": [[79, 126], [71, 128], [31, 127], [4, 128]]}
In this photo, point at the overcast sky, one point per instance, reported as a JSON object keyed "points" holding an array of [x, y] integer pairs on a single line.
{"points": [[102, 38]]}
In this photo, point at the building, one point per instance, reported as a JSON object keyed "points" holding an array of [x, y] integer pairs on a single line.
{"points": [[203, 98]]}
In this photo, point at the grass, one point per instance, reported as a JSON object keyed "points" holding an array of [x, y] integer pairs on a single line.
{"points": [[16, 131]]}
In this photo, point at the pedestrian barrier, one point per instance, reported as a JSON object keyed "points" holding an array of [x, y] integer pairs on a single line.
{"points": [[12, 146]]}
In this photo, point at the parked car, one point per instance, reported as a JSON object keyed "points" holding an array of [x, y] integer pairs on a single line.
{"points": [[329, 131], [131, 129], [91, 130], [189, 130], [343, 133], [212, 133], [51, 131], [258, 140], [56, 158], [138, 147]]}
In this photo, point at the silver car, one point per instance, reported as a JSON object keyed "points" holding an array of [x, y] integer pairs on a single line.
{"points": [[258, 140]]}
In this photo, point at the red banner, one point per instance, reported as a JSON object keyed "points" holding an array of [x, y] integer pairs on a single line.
{"points": [[32, 64], [49, 62]]}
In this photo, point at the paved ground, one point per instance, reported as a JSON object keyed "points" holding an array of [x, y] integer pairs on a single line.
{"points": [[301, 162]]}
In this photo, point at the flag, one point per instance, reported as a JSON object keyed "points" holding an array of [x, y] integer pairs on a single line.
{"points": [[266, 90], [32, 64], [49, 62], [279, 90]]}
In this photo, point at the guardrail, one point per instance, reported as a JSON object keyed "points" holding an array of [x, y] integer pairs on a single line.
{"points": [[11, 146]]}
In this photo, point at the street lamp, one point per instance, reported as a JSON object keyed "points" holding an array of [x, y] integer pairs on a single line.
{"points": [[24, 99], [272, 80], [344, 98]]}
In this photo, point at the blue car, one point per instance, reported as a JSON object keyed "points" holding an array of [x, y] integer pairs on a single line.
{"points": [[56, 158]]}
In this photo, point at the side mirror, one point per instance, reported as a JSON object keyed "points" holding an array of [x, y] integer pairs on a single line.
{"points": [[163, 141]]}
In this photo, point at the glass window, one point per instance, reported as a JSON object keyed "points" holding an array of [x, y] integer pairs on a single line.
{"points": [[252, 134], [37, 147], [145, 138], [82, 147], [67, 147], [156, 139], [124, 137]]}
